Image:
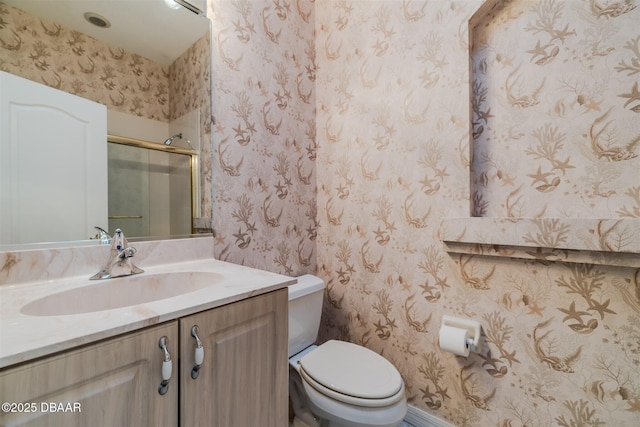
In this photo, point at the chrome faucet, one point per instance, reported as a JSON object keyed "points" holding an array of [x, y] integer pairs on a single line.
{"points": [[104, 237], [119, 263]]}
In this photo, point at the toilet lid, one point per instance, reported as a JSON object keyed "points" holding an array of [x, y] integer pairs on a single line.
{"points": [[352, 370]]}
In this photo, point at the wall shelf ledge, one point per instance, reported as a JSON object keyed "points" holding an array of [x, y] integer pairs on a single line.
{"points": [[604, 241]]}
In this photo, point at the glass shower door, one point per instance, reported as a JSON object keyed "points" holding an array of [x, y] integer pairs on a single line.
{"points": [[149, 191], [129, 190]]}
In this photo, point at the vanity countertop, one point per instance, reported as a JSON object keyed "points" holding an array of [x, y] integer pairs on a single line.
{"points": [[24, 337]]}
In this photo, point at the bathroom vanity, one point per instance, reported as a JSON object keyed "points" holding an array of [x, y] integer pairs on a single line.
{"points": [[110, 367]]}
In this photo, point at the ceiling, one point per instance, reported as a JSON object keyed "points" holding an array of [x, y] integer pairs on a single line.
{"points": [[146, 27]]}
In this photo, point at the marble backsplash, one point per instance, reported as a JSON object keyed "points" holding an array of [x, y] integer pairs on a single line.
{"points": [[36, 265]]}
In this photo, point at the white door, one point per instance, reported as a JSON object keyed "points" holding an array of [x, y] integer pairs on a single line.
{"points": [[53, 163]]}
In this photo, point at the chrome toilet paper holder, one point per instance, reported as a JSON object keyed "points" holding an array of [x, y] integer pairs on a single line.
{"points": [[472, 326]]}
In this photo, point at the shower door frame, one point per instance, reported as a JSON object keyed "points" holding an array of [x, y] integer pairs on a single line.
{"points": [[170, 149]]}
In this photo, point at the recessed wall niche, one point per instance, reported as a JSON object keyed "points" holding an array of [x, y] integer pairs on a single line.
{"points": [[555, 130], [555, 109]]}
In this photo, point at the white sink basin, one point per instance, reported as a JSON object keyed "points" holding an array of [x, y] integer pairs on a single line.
{"points": [[121, 292]]}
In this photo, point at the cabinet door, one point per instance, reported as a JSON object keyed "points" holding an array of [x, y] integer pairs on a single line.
{"points": [[113, 383], [243, 381]]}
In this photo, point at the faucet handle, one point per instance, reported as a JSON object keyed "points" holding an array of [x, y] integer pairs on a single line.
{"points": [[121, 245], [127, 252]]}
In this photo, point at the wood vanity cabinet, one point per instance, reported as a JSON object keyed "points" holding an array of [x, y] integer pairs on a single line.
{"points": [[243, 380], [112, 383]]}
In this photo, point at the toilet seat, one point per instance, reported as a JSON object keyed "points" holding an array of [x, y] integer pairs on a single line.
{"points": [[352, 374]]}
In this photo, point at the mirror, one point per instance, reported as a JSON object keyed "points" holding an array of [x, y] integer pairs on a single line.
{"points": [[147, 63], [151, 187]]}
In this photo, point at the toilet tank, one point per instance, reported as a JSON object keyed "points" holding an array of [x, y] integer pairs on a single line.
{"points": [[305, 309]]}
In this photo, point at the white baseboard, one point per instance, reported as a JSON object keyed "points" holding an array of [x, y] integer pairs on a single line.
{"points": [[419, 418]]}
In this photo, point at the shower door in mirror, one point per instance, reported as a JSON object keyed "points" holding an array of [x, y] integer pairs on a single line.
{"points": [[149, 191]]}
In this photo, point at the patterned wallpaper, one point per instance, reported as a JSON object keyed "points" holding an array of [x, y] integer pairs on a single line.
{"points": [[190, 89], [341, 140], [555, 110], [264, 179], [48, 53], [387, 142]]}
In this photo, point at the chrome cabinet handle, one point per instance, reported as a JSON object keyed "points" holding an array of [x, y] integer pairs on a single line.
{"points": [[199, 353], [167, 366]]}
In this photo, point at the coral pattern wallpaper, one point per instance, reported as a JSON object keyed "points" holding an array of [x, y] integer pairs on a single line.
{"points": [[264, 192], [46, 52], [49, 53], [190, 89], [346, 131], [559, 120], [376, 103]]}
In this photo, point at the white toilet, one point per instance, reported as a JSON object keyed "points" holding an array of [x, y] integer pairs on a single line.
{"points": [[336, 384]]}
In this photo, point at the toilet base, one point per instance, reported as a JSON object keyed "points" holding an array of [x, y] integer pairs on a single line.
{"points": [[330, 421], [307, 422], [298, 403]]}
